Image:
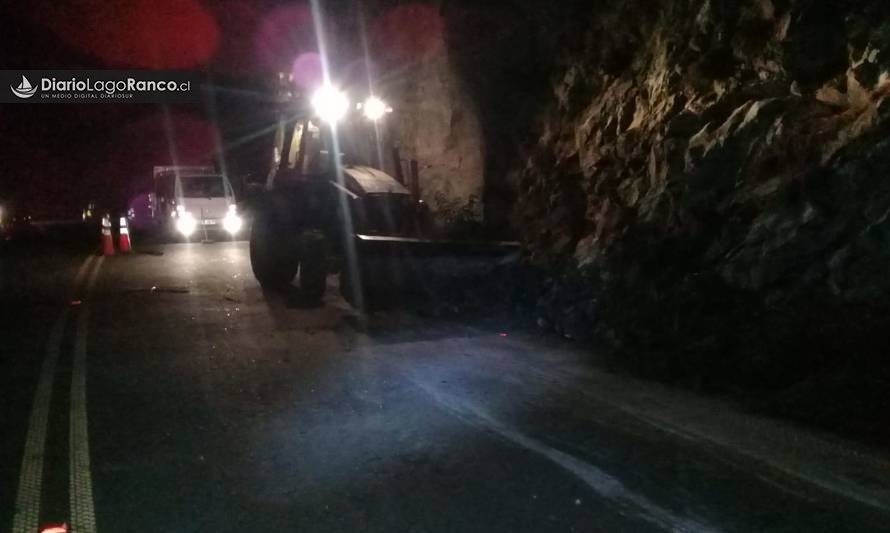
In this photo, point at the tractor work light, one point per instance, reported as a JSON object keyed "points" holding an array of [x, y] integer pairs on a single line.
{"points": [[186, 223], [374, 108], [232, 222], [330, 104]]}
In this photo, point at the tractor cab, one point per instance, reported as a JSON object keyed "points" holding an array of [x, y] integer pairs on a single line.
{"points": [[341, 147]]}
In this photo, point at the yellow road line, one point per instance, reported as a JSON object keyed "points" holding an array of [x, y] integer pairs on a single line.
{"points": [[27, 502], [83, 518]]}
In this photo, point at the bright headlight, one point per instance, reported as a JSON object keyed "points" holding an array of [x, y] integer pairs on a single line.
{"points": [[232, 222], [330, 104], [186, 223], [374, 108]]}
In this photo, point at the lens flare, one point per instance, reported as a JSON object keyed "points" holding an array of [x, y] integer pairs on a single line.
{"points": [[375, 108], [306, 70], [330, 104]]}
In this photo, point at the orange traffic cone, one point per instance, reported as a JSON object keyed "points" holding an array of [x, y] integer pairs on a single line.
{"points": [[107, 240], [123, 242]]}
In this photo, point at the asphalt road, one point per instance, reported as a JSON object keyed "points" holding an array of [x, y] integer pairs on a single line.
{"points": [[169, 393]]}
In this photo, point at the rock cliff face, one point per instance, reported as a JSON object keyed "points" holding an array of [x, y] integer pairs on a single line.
{"points": [[435, 120], [469, 78], [711, 179], [440, 129], [746, 135]]}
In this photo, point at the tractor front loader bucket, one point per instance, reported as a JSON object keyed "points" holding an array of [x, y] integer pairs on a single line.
{"points": [[388, 271]]}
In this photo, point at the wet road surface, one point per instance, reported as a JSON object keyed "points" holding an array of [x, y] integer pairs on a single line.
{"points": [[170, 393]]}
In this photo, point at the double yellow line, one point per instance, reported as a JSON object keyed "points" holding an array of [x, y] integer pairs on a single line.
{"points": [[27, 504]]}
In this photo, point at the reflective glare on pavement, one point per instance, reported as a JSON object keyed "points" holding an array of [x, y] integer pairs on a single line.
{"points": [[174, 394]]}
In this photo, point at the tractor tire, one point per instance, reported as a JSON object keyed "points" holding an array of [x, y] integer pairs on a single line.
{"points": [[313, 266], [272, 256]]}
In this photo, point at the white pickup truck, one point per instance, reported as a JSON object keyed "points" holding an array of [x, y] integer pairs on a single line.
{"points": [[195, 200]]}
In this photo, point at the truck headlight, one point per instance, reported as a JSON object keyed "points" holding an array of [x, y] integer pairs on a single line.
{"points": [[374, 108], [330, 104], [232, 222], [186, 223]]}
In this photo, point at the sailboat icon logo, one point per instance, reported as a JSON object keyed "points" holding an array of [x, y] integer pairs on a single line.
{"points": [[24, 90]]}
